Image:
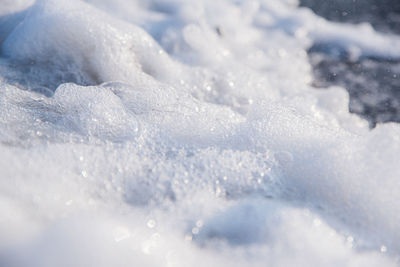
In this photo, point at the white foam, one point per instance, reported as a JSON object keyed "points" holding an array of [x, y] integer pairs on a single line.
{"points": [[185, 133]]}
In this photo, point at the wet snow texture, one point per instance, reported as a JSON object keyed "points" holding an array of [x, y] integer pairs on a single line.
{"points": [[186, 133]]}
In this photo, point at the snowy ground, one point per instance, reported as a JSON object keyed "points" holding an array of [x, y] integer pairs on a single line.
{"points": [[188, 133]]}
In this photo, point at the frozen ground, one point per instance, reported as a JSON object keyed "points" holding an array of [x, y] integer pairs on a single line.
{"points": [[188, 133]]}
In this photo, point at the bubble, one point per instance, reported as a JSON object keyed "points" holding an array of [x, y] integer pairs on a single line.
{"points": [[151, 223], [84, 173]]}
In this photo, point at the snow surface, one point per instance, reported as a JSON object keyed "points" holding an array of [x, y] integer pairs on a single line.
{"points": [[186, 133]]}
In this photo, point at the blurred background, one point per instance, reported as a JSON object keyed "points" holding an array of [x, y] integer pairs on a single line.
{"points": [[384, 15], [373, 83]]}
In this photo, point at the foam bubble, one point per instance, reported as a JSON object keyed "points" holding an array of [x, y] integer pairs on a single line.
{"points": [[185, 133]]}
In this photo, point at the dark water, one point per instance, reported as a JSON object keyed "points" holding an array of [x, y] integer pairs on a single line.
{"points": [[384, 15], [373, 83]]}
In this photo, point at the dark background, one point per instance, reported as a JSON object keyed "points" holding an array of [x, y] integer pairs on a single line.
{"points": [[373, 83]]}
